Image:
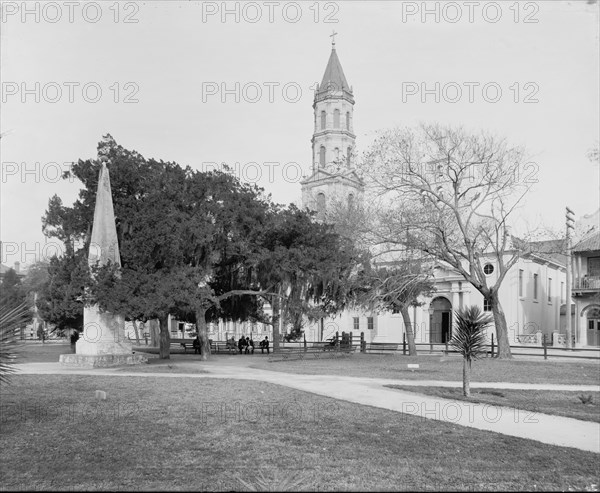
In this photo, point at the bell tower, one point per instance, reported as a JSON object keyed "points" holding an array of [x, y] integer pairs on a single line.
{"points": [[333, 176]]}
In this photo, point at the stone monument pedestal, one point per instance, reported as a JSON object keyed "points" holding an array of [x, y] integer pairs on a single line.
{"points": [[101, 360], [103, 343]]}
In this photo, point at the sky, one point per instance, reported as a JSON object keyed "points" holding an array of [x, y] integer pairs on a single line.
{"points": [[205, 83]]}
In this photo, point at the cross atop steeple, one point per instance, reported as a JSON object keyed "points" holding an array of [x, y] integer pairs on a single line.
{"points": [[334, 79], [332, 36]]}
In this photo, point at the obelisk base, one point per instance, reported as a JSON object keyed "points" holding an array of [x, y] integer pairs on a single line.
{"points": [[101, 360], [103, 343]]}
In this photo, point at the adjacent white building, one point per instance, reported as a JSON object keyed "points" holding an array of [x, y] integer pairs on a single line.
{"points": [[586, 290]]}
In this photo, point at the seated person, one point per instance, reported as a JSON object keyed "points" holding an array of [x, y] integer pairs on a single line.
{"points": [[249, 346], [264, 344], [197, 345], [241, 344], [231, 344]]}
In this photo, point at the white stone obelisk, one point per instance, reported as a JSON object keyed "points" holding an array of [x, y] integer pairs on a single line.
{"points": [[103, 342]]}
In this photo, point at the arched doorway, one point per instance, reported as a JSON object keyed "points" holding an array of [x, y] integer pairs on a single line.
{"points": [[440, 320], [593, 325]]}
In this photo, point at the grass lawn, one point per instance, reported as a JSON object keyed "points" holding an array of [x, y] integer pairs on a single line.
{"points": [[152, 433], [31, 352], [445, 368], [432, 367], [560, 403]]}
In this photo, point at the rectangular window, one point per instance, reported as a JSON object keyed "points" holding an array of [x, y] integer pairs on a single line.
{"points": [[521, 283], [356, 324], [487, 306], [549, 290], [562, 292], [370, 323], [535, 287], [594, 266], [336, 118]]}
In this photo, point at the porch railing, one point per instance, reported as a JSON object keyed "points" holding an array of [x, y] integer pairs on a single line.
{"points": [[587, 282]]}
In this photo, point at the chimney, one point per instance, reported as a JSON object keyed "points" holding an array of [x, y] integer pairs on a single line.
{"points": [[18, 267]]}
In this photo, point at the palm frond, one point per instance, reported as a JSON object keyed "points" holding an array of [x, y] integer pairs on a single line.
{"points": [[468, 334], [11, 319]]}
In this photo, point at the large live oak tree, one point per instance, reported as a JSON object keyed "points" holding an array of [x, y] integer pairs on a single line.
{"points": [[181, 236], [200, 246]]}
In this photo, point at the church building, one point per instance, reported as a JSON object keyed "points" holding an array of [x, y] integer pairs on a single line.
{"points": [[531, 294]]}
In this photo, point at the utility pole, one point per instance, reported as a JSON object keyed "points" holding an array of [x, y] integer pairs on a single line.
{"points": [[570, 223]]}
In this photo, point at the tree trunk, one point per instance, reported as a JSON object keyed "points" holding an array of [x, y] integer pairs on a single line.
{"points": [[501, 327], [410, 335], [202, 328], [154, 328], [466, 378], [137, 332], [275, 304], [165, 338]]}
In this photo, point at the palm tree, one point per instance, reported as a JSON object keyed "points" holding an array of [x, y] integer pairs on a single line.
{"points": [[11, 319], [469, 339]]}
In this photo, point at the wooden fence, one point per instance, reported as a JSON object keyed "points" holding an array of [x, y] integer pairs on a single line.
{"points": [[545, 349], [357, 343]]}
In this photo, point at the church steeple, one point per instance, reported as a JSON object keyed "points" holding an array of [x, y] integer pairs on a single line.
{"points": [[334, 83], [333, 137], [334, 77], [333, 140]]}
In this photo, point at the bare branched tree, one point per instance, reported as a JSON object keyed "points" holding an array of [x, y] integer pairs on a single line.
{"points": [[449, 194]]}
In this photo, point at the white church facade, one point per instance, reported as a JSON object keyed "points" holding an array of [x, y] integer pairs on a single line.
{"points": [[531, 294]]}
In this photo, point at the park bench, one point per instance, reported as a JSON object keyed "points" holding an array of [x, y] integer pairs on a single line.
{"points": [[185, 343], [381, 347], [330, 345], [217, 347]]}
